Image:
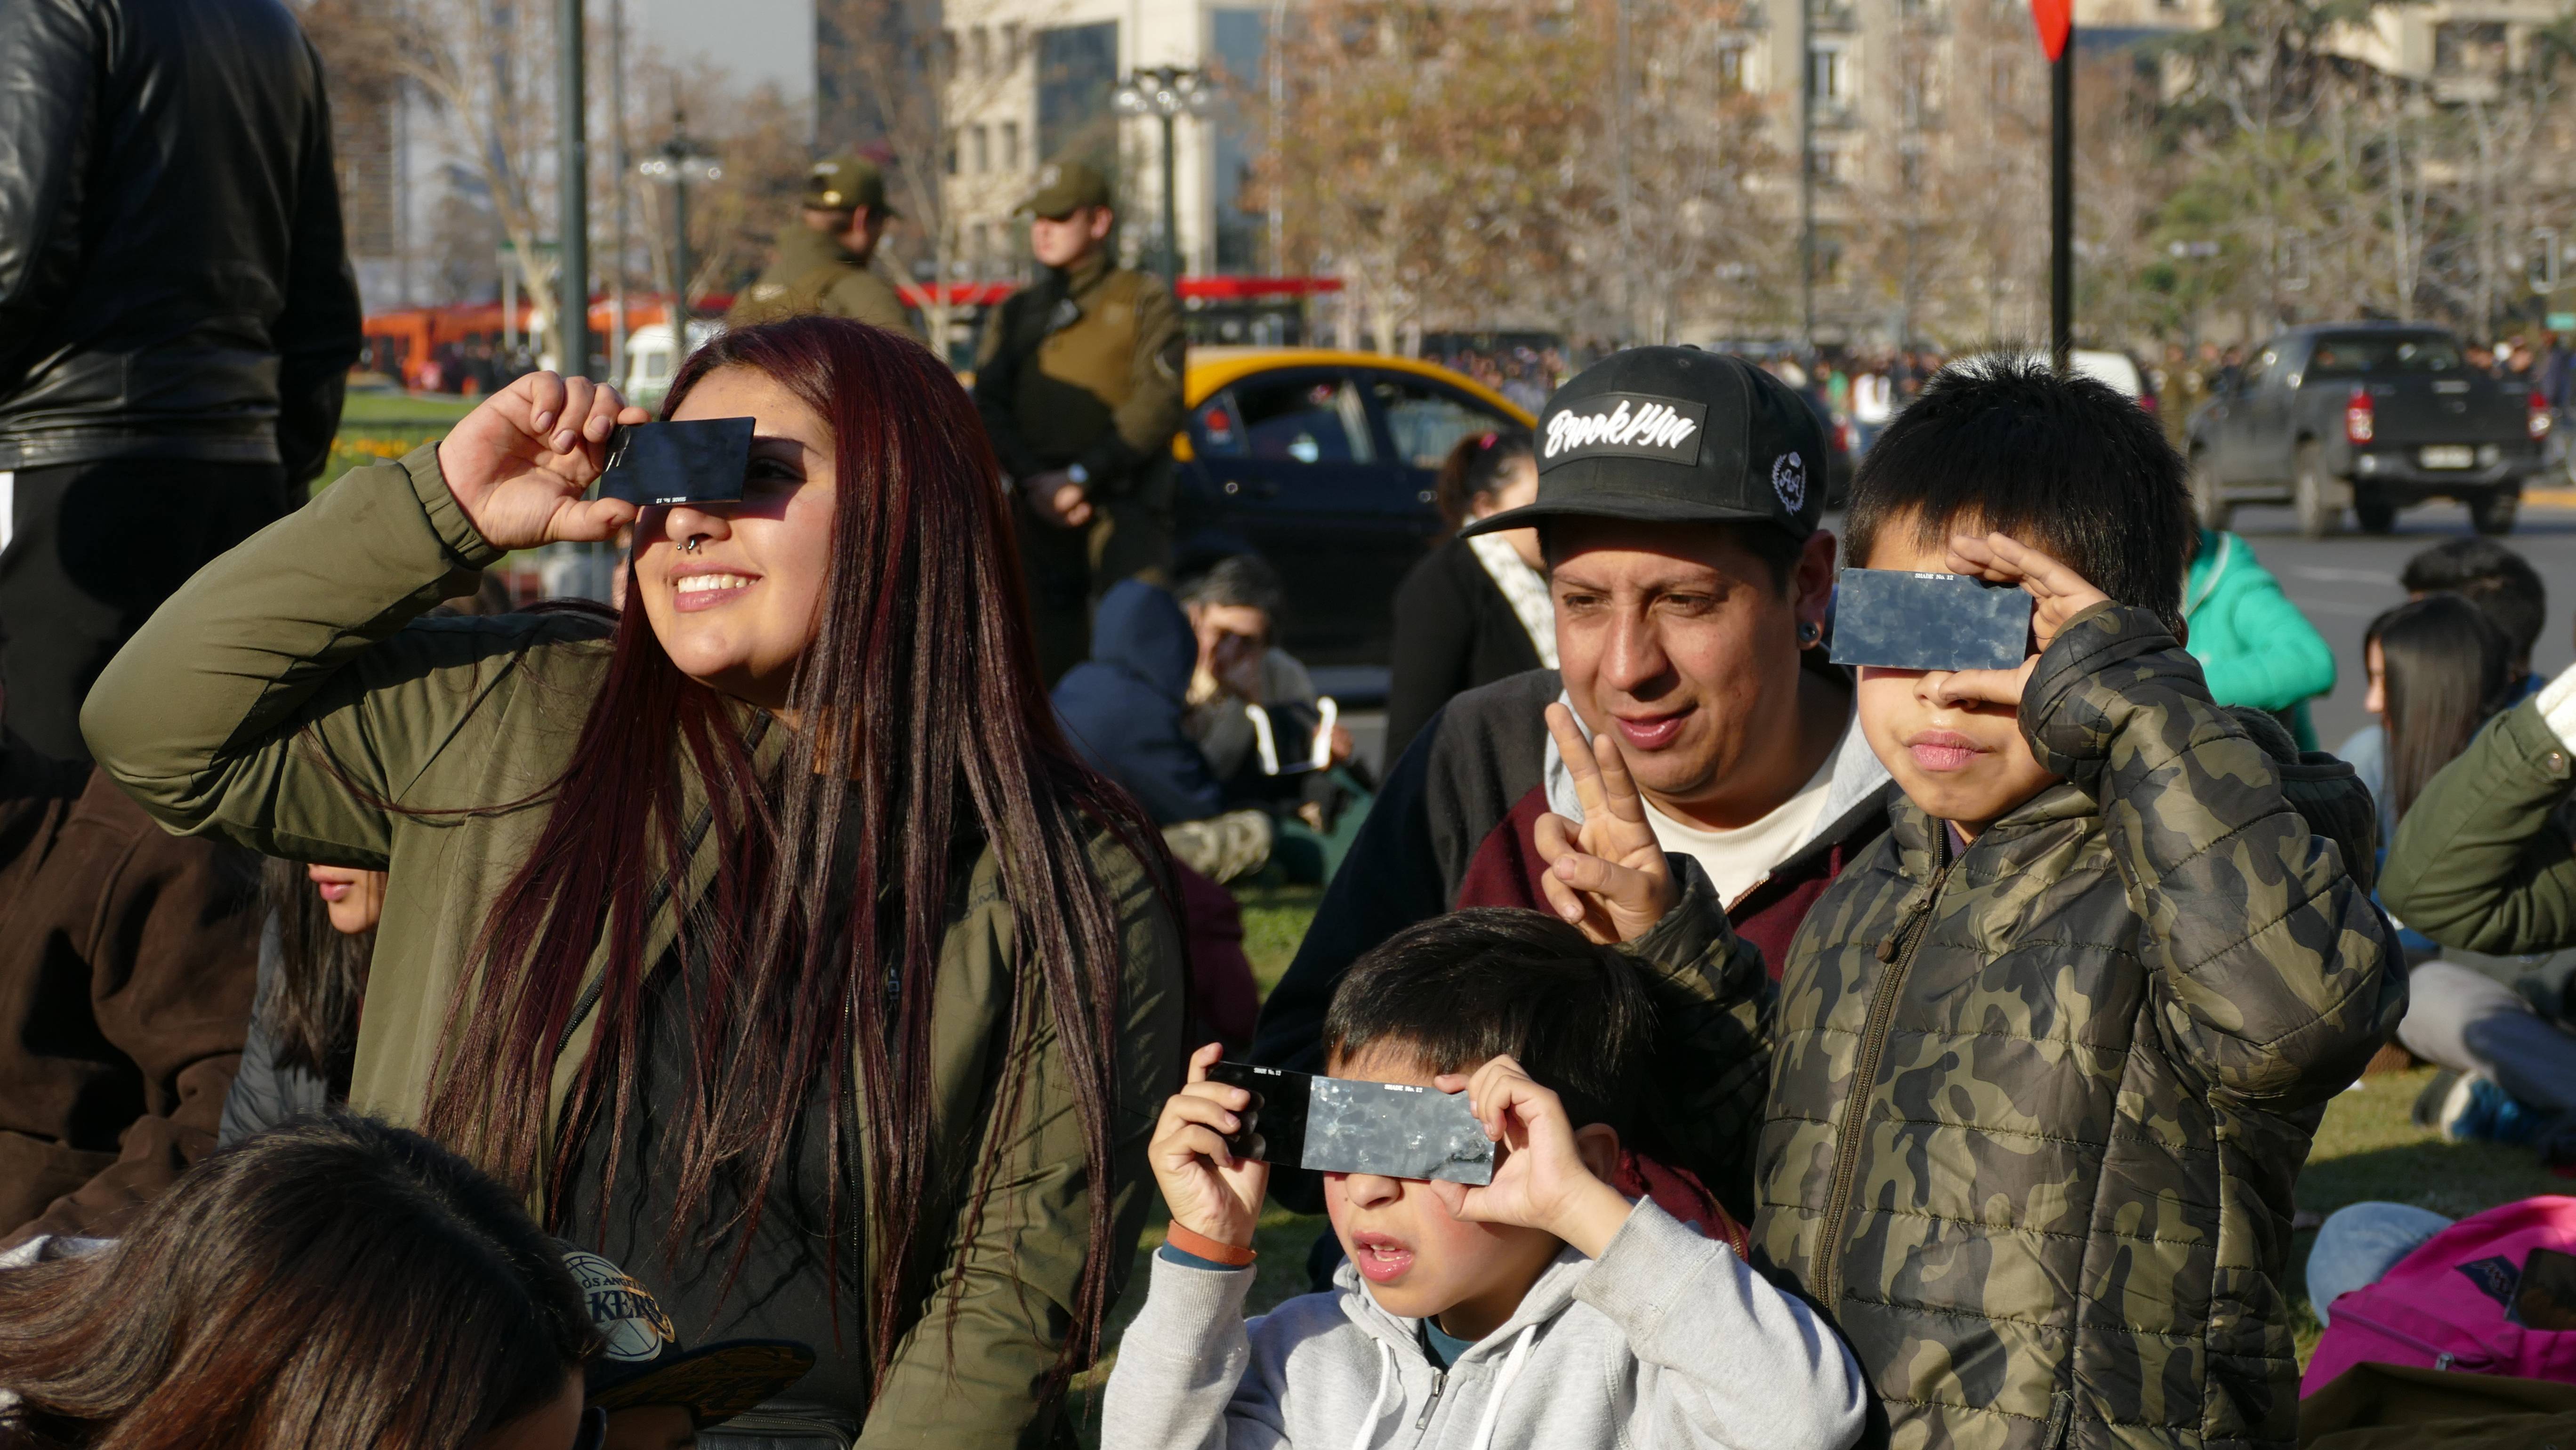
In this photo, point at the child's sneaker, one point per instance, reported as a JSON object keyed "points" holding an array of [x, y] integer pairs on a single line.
{"points": [[2471, 1108]]}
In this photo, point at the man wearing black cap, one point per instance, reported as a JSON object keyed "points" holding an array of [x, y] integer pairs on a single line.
{"points": [[1678, 500], [824, 260], [1079, 383]]}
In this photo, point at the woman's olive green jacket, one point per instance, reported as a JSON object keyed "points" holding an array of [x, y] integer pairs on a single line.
{"points": [[2485, 860], [291, 698]]}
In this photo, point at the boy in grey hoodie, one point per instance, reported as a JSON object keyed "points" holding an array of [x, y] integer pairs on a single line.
{"points": [[1542, 1310]]}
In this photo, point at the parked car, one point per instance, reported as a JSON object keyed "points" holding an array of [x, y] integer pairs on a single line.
{"points": [[651, 360], [1322, 462], [2374, 415]]}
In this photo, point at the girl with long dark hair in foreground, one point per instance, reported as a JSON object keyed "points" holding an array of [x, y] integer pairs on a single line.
{"points": [[334, 1283], [770, 934]]}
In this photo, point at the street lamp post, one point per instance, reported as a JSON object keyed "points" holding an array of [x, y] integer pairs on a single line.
{"points": [[1167, 93], [572, 274], [677, 163]]}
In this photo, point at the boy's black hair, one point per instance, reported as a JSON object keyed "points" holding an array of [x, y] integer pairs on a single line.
{"points": [[1458, 990], [2500, 582], [2065, 465]]}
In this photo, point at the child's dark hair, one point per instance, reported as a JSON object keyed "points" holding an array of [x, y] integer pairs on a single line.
{"points": [[1475, 467], [2500, 582], [2065, 465], [1458, 990]]}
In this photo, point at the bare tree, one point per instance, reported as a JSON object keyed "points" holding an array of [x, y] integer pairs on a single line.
{"points": [[1442, 162]]}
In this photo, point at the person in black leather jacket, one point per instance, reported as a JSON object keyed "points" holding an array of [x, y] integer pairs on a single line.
{"points": [[177, 315]]}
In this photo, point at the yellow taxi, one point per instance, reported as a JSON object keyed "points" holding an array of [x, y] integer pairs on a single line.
{"points": [[1322, 462]]}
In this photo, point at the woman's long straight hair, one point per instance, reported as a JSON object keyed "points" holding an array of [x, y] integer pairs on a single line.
{"points": [[2443, 667], [311, 1011], [924, 723]]}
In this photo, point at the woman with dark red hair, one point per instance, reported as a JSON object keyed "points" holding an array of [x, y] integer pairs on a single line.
{"points": [[769, 935]]}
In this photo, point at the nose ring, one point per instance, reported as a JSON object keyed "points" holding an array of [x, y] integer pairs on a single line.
{"points": [[690, 545]]}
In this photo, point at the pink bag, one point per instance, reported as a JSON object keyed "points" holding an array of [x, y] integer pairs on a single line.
{"points": [[2445, 1305]]}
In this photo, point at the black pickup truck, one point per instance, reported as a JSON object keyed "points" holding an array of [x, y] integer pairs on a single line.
{"points": [[2375, 415]]}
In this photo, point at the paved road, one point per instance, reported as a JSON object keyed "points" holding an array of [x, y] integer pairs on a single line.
{"points": [[2341, 582]]}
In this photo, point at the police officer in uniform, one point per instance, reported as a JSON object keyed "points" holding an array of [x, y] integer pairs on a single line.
{"points": [[1079, 382], [822, 262]]}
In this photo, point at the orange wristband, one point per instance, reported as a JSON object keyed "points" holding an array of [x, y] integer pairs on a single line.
{"points": [[1191, 1241]]}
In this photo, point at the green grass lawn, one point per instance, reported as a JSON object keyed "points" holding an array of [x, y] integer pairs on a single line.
{"points": [[2365, 1149], [378, 424]]}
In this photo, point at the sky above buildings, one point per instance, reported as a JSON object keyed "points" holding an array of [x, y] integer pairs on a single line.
{"points": [[757, 40]]}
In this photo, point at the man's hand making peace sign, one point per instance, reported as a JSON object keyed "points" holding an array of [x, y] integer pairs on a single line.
{"points": [[1608, 875]]}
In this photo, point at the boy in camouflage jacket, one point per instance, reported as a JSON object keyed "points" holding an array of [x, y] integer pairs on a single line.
{"points": [[2049, 1057]]}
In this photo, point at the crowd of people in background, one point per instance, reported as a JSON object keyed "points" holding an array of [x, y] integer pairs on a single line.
{"points": [[762, 1008]]}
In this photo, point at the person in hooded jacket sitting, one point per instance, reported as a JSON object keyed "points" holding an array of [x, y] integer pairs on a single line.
{"points": [[1124, 709]]}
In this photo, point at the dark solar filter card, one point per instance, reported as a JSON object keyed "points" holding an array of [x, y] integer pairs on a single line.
{"points": [[1900, 620], [1338, 1125], [700, 461]]}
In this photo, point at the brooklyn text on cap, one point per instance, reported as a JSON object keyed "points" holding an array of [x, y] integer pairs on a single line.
{"points": [[1063, 187], [1675, 435], [641, 1361], [846, 183]]}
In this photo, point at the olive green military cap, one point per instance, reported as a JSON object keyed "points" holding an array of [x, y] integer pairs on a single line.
{"points": [[1065, 185], [846, 183]]}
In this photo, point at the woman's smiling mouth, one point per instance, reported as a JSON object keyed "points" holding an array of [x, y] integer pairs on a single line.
{"points": [[692, 592]]}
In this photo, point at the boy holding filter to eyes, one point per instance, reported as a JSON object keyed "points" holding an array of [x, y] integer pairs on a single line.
{"points": [[2048, 1057], [1541, 1310]]}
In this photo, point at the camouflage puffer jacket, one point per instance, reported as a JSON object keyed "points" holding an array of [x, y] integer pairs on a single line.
{"points": [[2037, 1110]]}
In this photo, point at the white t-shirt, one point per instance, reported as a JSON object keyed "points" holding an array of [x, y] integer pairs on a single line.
{"points": [[1737, 861]]}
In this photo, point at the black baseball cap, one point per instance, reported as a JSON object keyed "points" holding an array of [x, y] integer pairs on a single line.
{"points": [[642, 1362], [1675, 435]]}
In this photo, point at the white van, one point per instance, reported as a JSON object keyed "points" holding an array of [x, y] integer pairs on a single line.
{"points": [[651, 360]]}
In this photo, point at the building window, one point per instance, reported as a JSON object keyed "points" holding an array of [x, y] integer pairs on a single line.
{"points": [[1829, 75], [1011, 46], [1077, 69], [982, 141], [1917, 108], [1010, 145], [1730, 68], [979, 51], [2475, 48]]}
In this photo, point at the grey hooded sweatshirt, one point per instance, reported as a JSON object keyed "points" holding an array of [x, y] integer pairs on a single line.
{"points": [[1669, 1341]]}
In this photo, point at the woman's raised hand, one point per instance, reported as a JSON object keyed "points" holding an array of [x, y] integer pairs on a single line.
{"points": [[519, 464], [1608, 875]]}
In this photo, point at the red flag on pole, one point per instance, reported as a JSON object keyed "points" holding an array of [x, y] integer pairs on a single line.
{"points": [[2056, 20]]}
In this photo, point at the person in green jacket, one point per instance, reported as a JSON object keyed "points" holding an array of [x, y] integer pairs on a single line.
{"points": [[2485, 865], [2254, 646], [769, 936]]}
